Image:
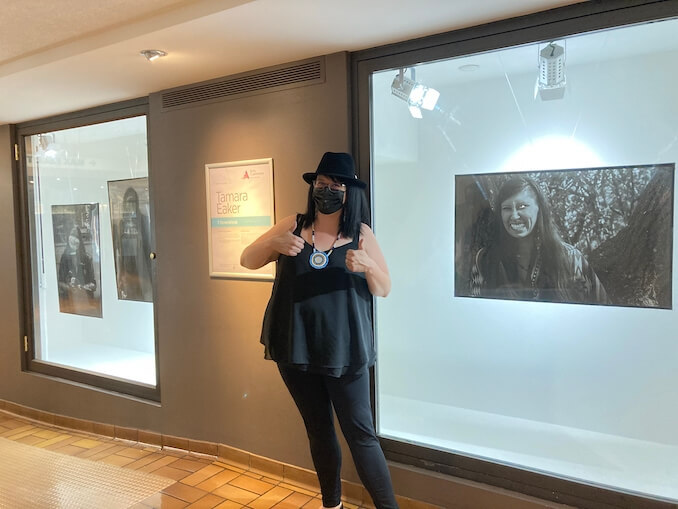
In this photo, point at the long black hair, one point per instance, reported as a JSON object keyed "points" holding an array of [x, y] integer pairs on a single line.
{"points": [[354, 212], [548, 244], [132, 198], [81, 252]]}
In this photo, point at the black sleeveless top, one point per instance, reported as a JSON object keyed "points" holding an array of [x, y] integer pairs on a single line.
{"points": [[319, 320]]}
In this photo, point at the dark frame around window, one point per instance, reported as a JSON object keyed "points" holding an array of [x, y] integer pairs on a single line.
{"points": [[98, 115], [547, 25]]}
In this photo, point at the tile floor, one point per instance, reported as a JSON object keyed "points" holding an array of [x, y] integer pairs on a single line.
{"points": [[200, 481]]}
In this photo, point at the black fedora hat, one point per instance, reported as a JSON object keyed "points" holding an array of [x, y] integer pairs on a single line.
{"points": [[338, 165]]}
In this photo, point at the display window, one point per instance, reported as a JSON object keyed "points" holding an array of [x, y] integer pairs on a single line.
{"points": [[524, 198], [88, 220]]}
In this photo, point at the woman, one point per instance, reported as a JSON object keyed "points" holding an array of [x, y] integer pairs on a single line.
{"points": [[76, 275], [317, 325], [526, 259]]}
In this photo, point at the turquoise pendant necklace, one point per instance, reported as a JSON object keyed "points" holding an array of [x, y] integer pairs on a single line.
{"points": [[320, 259]]}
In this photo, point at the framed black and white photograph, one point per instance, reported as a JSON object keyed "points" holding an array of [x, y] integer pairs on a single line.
{"points": [[130, 228], [600, 236], [78, 265]]}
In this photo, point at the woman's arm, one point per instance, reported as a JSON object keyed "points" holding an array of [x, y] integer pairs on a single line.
{"points": [[369, 259], [276, 241]]}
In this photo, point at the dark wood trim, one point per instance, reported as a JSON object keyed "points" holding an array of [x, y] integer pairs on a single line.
{"points": [[154, 269], [554, 24], [101, 114], [23, 298], [106, 383], [90, 116], [545, 25], [574, 492]]}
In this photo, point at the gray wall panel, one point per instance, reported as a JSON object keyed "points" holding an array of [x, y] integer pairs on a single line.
{"points": [[215, 383]]}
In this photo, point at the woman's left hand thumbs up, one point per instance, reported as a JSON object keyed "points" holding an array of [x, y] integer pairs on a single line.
{"points": [[357, 260]]}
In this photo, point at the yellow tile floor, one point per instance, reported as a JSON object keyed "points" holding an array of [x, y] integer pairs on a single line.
{"points": [[200, 481]]}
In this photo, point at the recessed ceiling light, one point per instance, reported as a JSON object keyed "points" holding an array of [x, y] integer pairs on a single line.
{"points": [[152, 54], [469, 67]]}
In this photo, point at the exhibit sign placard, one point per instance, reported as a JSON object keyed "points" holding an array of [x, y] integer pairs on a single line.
{"points": [[239, 209]]}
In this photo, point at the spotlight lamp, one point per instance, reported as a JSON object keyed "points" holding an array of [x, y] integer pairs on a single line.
{"points": [[551, 81], [152, 54], [417, 95]]}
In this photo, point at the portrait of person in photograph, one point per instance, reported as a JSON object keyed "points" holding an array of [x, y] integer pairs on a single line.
{"points": [[130, 226], [566, 236], [526, 259], [75, 234]]}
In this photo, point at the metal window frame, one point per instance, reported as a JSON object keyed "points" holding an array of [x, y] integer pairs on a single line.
{"points": [[548, 25], [83, 118]]}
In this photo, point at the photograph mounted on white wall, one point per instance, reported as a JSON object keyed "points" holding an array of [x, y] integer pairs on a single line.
{"points": [[586, 236], [76, 250], [131, 232]]}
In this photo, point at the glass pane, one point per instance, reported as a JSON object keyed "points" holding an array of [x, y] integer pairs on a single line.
{"points": [[565, 364], [89, 217]]}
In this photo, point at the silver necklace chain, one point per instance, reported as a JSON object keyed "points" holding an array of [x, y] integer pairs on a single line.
{"points": [[320, 259]]}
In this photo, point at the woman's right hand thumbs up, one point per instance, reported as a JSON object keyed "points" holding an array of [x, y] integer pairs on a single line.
{"points": [[288, 243]]}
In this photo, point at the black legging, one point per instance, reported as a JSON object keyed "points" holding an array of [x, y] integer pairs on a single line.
{"points": [[350, 395]]}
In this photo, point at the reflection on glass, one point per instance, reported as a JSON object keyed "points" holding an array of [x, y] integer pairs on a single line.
{"points": [[541, 383]]}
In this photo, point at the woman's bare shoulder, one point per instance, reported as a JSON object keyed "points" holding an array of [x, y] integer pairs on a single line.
{"points": [[365, 230]]}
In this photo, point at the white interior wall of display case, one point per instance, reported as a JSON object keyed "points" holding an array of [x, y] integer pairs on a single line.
{"points": [[75, 169], [578, 391]]}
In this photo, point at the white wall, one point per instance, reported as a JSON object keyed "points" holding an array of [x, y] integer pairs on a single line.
{"points": [[86, 159]]}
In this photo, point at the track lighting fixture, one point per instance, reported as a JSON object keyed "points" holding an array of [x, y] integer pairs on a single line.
{"points": [[417, 95], [551, 81]]}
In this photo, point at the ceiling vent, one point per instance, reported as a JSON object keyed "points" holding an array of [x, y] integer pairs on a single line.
{"points": [[272, 79]]}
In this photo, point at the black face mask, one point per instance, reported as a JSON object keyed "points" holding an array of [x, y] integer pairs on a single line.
{"points": [[327, 201]]}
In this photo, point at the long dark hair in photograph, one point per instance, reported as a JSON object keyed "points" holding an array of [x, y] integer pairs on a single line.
{"points": [[81, 252], [547, 242], [131, 198], [354, 212]]}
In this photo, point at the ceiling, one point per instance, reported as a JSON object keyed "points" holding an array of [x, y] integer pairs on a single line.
{"points": [[57, 57]]}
